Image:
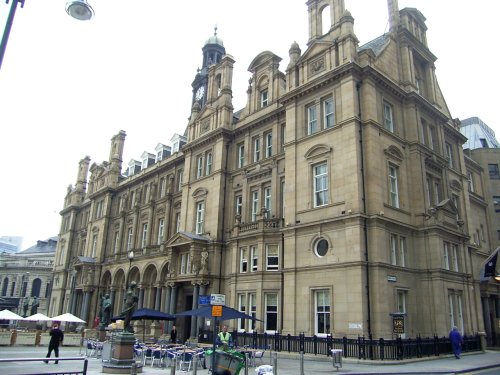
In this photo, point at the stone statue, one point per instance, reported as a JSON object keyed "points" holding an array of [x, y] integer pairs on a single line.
{"points": [[107, 307], [203, 262], [34, 305], [130, 304], [26, 306]]}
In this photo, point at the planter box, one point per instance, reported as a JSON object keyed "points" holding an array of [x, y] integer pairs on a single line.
{"points": [[26, 338], [5, 338]]}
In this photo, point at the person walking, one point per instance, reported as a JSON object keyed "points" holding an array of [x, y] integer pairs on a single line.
{"points": [[56, 338], [456, 340]]}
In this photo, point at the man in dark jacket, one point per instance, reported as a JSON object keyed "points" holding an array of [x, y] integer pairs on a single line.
{"points": [[56, 338], [456, 340]]}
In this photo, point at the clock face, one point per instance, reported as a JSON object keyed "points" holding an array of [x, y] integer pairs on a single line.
{"points": [[200, 93]]}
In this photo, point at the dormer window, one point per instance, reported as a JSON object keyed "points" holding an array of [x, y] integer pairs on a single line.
{"points": [[159, 156]]}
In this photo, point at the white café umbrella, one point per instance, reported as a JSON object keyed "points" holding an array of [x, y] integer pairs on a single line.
{"points": [[37, 317], [70, 318], [9, 315]]}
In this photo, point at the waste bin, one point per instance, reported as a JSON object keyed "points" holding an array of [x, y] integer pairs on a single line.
{"points": [[337, 358], [226, 363]]}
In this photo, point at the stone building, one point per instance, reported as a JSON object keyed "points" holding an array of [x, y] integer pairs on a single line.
{"points": [[482, 155], [334, 201], [26, 278]]}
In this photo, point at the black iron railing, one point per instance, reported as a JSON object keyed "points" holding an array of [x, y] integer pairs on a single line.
{"points": [[361, 347]]}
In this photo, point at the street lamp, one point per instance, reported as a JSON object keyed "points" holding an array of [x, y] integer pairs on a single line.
{"points": [[8, 26], [79, 9], [130, 259]]}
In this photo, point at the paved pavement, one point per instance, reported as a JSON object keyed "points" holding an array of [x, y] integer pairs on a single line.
{"points": [[287, 365]]}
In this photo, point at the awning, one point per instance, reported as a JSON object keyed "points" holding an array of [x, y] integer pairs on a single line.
{"points": [[489, 267]]}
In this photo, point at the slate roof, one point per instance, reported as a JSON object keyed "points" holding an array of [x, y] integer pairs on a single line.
{"points": [[47, 246], [377, 45]]}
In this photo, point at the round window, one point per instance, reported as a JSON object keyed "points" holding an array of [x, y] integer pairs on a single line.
{"points": [[321, 247]]}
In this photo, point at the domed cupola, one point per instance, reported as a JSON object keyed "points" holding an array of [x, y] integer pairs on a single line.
{"points": [[213, 50]]}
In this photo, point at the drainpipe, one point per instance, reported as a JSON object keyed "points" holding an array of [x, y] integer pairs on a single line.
{"points": [[223, 217], [365, 228]]}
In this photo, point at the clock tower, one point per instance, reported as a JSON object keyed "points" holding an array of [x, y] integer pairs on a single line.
{"points": [[213, 51]]}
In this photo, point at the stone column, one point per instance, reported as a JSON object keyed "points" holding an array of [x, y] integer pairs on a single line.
{"points": [[194, 319], [141, 298], [166, 299], [486, 318], [112, 295], [173, 300], [158, 298], [203, 291], [85, 308]]}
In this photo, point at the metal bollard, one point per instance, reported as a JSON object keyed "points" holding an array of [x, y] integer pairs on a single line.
{"points": [[275, 363], [195, 365], [246, 363], [133, 368], [301, 363], [174, 365]]}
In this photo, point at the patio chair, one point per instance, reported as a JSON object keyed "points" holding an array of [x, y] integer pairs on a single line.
{"points": [[258, 355], [170, 356], [156, 357], [147, 354], [186, 360], [90, 350]]}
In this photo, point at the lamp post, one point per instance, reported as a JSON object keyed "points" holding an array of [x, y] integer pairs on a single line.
{"points": [[130, 259], [79, 9], [8, 26]]}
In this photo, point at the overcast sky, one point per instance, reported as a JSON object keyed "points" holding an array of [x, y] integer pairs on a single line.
{"points": [[68, 86]]}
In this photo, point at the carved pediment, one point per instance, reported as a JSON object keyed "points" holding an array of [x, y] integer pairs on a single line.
{"points": [[456, 185], [394, 153], [318, 150], [200, 192], [185, 238]]}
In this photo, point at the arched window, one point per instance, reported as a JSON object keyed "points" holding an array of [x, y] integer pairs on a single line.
{"points": [[5, 286], [35, 288]]}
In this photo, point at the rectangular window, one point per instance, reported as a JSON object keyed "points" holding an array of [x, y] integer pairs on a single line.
{"points": [[402, 252], [94, 246], [263, 98], [269, 144], [282, 137], [241, 155], [238, 205], [254, 256], [208, 167], [446, 256], [328, 113], [271, 308], [272, 258], [437, 190], [456, 309], [494, 172], [255, 205], [320, 185], [394, 250], [256, 149], [159, 156], [199, 166], [200, 217], [161, 230], [243, 259], [144, 235], [179, 180], [116, 243], [388, 117], [253, 309], [401, 297], [449, 155], [454, 258], [146, 193], [311, 120], [177, 222], [496, 203], [393, 186], [470, 180], [432, 138], [267, 201], [242, 307], [129, 239], [322, 311], [163, 186]]}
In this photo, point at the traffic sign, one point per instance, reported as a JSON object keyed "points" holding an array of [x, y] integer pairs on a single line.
{"points": [[217, 310], [217, 299]]}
